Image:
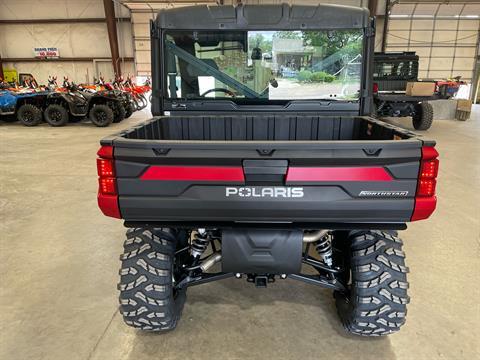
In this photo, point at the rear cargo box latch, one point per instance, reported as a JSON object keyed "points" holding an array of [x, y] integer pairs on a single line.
{"points": [[161, 151], [265, 152], [372, 152]]}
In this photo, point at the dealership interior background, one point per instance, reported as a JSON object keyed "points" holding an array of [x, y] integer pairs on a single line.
{"points": [[59, 254]]}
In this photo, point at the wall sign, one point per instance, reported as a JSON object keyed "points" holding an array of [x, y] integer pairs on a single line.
{"points": [[46, 52]]}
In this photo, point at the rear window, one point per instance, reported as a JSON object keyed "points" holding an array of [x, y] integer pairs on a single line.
{"points": [[264, 65]]}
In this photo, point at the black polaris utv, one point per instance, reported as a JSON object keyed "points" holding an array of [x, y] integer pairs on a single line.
{"points": [[102, 108], [392, 71], [253, 172], [26, 107]]}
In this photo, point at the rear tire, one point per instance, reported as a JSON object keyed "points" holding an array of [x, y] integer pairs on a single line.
{"points": [[56, 115], [29, 115], [148, 300], [101, 115], [129, 109], [119, 113], [375, 303], [423, 117]]}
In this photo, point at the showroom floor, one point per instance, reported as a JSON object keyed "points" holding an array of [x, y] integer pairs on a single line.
{"points": [[59, 264]]}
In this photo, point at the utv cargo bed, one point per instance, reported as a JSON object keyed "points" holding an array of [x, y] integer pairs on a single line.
{"points": [[266, 168]]}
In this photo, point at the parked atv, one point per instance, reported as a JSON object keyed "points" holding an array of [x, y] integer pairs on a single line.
{"points": [[26, 107], [124, 108], [100, 108], [117, 90]]}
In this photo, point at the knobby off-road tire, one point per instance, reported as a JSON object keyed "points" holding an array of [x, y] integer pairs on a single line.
{"points": [[376, 302], [29, 115], [101, 115], [129, 109], [119, 113], [423, 118], [148, 300], [56, 115]]}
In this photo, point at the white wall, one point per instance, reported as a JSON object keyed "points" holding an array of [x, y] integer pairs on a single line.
{"points": [[84, 40]]}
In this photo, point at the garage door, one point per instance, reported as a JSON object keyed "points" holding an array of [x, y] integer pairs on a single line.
{"points": [[445, 36]]}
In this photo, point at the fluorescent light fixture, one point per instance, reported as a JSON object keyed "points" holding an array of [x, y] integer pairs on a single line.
{"points": [[403, 16]]}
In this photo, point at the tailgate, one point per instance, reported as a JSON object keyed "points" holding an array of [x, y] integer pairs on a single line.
{"points": [[250, 181]]}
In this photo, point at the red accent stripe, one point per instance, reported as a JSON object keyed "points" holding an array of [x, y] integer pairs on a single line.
{"points": [[194, 173], [331, 174]]}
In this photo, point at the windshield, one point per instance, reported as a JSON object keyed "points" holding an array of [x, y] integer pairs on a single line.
{"points": [[268, 65]]}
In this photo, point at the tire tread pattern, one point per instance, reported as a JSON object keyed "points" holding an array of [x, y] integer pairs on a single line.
{"points": [[378, 299], [36, 112], [147, 300], [424, 120]]}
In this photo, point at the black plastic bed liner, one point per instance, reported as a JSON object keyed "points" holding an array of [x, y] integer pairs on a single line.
{"points": [[265, 128]]}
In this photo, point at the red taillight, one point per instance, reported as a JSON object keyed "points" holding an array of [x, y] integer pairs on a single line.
{"points": [[425, 200], [429, 153], [107, 184], [426, 187], [105, 152], [429, 169], [375, 88], [105, 168]]}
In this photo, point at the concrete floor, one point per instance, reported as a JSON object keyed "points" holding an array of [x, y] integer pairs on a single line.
{"points": [[59, 263]]}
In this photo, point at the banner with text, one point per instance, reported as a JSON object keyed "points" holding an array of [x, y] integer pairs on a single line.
{"points": [[46, 52]]}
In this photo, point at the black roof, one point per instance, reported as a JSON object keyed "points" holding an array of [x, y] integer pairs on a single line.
{"points": [[264, 17]]}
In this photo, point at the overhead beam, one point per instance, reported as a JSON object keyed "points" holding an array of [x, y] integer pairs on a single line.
{"points": [[59, 21], [126, 2], [86, 59], [112, 35], [438, 1]]}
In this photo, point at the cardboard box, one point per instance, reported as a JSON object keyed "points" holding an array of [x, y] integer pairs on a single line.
{"points": [[462, 115], [420, 88], [464, 105]]}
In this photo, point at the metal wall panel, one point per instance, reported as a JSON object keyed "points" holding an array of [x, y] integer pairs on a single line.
{"points": [[74, 40], [445, 36]]}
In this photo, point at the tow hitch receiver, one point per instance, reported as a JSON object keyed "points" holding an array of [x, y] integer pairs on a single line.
{"points": [[261, 281]]}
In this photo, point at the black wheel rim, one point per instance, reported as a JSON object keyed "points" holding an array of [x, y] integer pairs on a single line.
{"points": [[28, 117], [101, 117], [55, 116]]}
